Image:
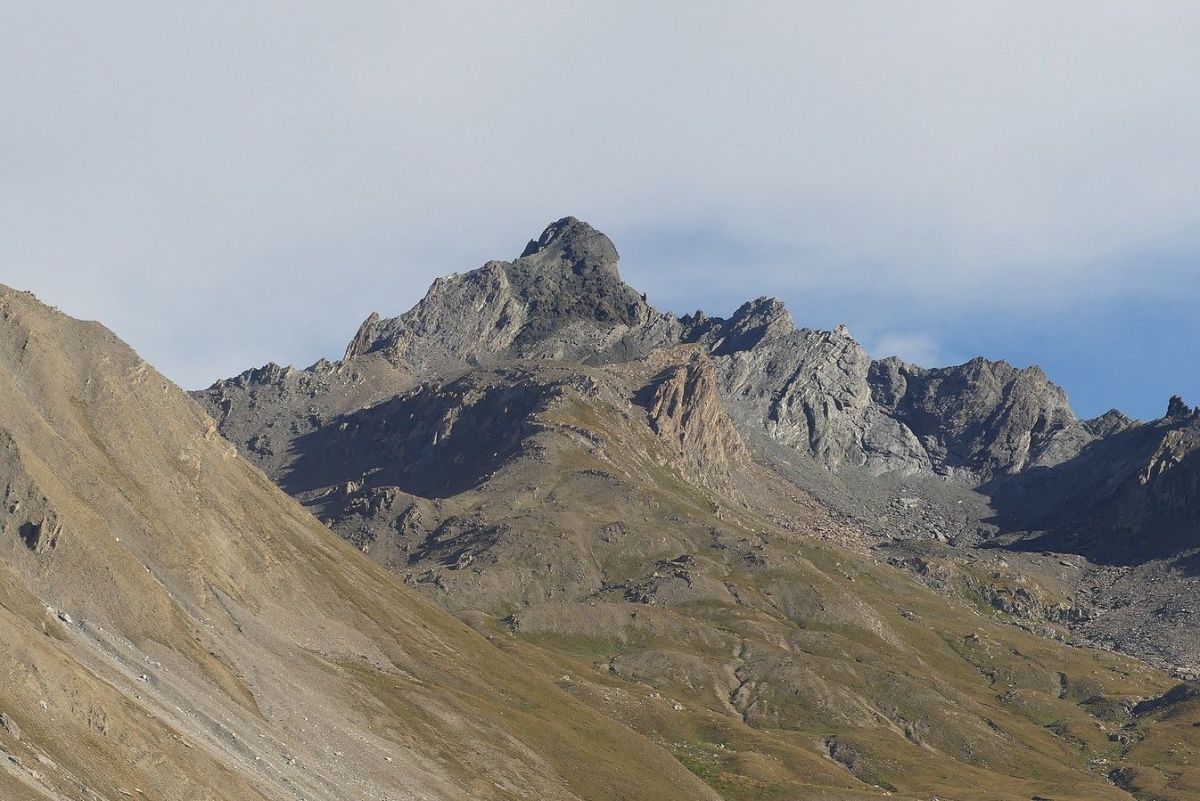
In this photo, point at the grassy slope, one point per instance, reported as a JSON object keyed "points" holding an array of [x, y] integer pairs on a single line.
{"points": [[856, 681], [182, 563]]}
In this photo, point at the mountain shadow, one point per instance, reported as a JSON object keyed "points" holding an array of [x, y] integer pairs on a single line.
{"points": [[435, 441], [1127, 498]]}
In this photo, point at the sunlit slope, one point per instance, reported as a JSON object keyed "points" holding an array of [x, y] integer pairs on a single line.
{"points": [[607, 525], [175, 627]]}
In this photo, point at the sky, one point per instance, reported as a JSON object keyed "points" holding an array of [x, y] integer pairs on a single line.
{"points": [[226, 184]]}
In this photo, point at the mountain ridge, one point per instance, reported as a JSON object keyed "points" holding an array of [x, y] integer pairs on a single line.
{"points": [[563, 299]]}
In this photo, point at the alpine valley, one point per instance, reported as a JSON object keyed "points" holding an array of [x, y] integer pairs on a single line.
{"points": [[535, 539]]}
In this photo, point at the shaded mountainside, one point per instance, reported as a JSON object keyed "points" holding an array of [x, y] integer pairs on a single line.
{"points": [[173, 626], [1126, 497], [750, 542]]}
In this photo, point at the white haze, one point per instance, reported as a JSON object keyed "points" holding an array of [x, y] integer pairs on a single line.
{"points": [[228, 183]]}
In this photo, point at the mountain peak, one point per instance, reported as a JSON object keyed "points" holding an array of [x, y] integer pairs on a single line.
{"points": [[1176, 407], [560, 299], [576, 243]]}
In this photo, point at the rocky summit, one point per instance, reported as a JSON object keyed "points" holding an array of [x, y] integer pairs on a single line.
{"points": [[799, 571], [536, 539]]}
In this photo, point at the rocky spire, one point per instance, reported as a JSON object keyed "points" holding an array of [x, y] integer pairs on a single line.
{"points": [[1177, 408]]}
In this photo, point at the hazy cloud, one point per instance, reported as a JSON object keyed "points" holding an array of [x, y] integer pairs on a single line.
{"points": [[227, 183], [919, 349]]}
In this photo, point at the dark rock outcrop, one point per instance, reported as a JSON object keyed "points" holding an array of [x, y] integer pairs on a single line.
{"points": [[1177, 409], [1179, 694], [1111, 422], [25, 512], [1125, 497]]}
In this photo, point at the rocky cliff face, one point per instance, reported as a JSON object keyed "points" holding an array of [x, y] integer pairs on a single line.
{"points": [[1128, 496], [982, 418], [27, 517], [819, 392], [686, 412], [1166, 486], [807, 389]]}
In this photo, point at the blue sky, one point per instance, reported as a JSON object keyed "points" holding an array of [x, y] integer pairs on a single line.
{"points": [[226, 185], [1128, 349]]}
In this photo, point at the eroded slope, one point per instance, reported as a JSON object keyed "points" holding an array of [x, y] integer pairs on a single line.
{"points": [[175, 627]]}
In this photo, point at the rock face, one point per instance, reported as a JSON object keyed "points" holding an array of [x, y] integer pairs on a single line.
{"points": [[686, 412], [264, 410], [1130, 495], [10, 726], [432, 441], [1111, 422], [819, 391], [982, 418], [806, 389]]}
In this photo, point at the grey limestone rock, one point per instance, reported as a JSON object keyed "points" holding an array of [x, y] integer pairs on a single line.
{"points": [[1111, 422], [982, 418]]}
